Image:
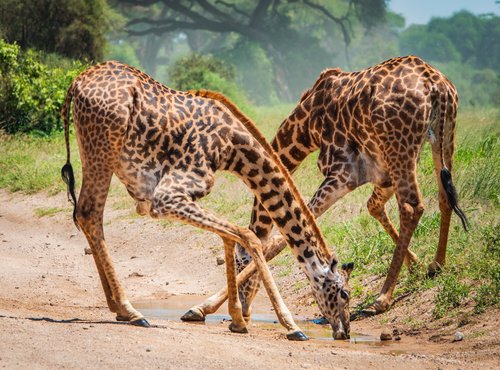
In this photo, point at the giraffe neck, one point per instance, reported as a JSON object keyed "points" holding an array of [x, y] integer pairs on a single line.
{"points": [[273, 186], [285, 209], [298, 136]]}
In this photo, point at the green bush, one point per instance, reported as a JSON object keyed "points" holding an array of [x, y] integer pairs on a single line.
{"points": [[196, 71], [32, 92]]}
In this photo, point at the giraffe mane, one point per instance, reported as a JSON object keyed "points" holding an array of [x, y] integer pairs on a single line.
{"points": [[252, 128], [326, 73]]}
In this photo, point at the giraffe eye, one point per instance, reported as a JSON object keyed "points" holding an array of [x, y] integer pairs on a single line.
{"points": [[344, 295]]}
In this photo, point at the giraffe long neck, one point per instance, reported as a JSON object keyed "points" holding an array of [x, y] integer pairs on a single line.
{"points": [[282, 205], [254, 161], [298, 136]]}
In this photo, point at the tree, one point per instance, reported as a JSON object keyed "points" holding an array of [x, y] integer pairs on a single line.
{"points": [[73, 28], [417, 40], [272, 24]]}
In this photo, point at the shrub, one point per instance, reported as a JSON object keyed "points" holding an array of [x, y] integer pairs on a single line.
{"points": [[196, 71], [31, 92]]}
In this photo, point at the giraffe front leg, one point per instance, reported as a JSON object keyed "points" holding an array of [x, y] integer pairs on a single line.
{"points": [[168, 202], [284, 315], [234, 305]]}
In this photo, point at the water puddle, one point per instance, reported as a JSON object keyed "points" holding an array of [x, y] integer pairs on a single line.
{"points": [[174, 307]]}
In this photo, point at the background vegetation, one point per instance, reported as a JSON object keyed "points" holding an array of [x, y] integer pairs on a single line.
{"points": [[263, 54]]}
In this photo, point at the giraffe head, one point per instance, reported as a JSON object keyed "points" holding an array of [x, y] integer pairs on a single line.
{"points": [[333, 298]]}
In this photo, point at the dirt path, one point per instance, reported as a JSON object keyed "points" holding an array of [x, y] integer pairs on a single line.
{"points": [[53, 313]]}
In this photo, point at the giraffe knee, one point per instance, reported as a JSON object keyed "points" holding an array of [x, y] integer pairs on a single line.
{"points": [[85, 212], [373, 208], [411, 212], [164, 204], [143, 207], [250, 240]]}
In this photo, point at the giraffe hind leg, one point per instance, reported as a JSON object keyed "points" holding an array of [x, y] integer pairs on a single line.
{"points": [[376, 207], [90, 218]]}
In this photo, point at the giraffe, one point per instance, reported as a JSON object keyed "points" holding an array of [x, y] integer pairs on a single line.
{"points": [[165, 147], [369, 126]]}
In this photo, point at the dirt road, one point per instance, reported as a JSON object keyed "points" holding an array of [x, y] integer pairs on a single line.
{"points": [[53, 312]]}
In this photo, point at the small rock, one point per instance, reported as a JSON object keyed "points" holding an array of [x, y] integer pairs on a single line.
{"points": [[459, 336], [290, 354], [133, 257], [148, 350], [220, 261], [167, 283], [385, 335], [396, 334], [88, 251], [136, 274]]}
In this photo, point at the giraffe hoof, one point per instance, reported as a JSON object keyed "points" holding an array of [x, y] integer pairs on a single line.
{"points": [[375, 309], [193, 314], [238, 329], [297, 336], [434, 269], [141, 322], [381, 307]]}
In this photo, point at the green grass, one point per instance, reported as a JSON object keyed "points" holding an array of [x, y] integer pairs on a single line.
{"points": [[48, 211], [471, 274], [31, 164]]}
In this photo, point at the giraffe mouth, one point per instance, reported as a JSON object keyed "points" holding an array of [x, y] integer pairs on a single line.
{"points": [[342, 331]]}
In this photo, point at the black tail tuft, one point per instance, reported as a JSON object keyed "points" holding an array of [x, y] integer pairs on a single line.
{"points": [[451, 194], [69, 178]]}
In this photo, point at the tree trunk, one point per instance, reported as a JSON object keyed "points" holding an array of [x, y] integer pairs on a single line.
{"points": [[280, 73]]}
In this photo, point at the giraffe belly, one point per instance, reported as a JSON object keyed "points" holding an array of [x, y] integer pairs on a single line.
{"points": [[139, 178], [370, 170]]}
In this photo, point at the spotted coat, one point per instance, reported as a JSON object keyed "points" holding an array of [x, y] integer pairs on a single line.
{"points": [[165, 147]]}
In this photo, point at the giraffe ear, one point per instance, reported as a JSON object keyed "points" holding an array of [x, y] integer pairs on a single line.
{"points": [[348, 267]]}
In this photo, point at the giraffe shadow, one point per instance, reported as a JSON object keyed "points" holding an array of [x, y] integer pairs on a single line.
{"points": [[75, 320]]}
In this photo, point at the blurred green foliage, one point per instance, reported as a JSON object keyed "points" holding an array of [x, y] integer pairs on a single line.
{"points": [[196, 71], [465, 48], [73, 28], [31, 91]]}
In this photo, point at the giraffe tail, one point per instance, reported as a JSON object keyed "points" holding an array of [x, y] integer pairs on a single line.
{"points": [[67, 173], [451, 194], [445, 174]]}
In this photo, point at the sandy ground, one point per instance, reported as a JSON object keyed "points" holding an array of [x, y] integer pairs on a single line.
{"points": [[53, 312]]}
